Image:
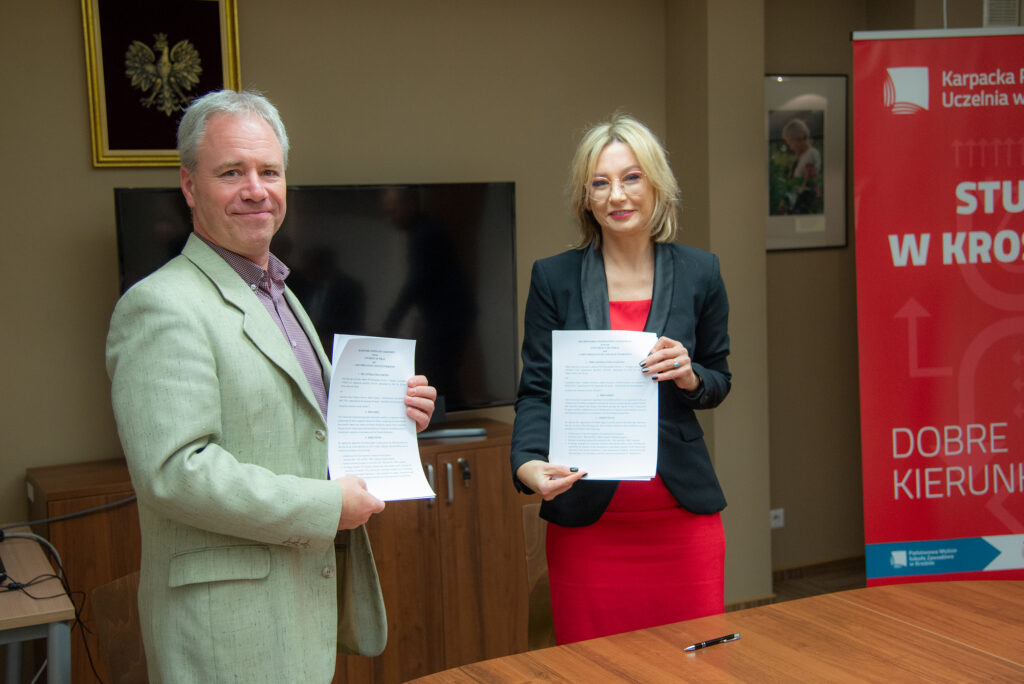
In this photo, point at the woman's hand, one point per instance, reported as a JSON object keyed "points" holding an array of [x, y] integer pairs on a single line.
{"points": [[547, 479], [669, 360], [419, 401]]}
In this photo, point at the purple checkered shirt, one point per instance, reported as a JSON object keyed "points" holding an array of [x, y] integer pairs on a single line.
{"points": [[268, 286]]}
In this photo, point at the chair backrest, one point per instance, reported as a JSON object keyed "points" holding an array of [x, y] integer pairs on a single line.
{"points": [[115, 610], [541, 629], [534, 529]]}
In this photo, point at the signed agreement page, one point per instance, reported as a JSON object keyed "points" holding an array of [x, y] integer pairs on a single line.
{"points": [[369, 433], [604, 411]]}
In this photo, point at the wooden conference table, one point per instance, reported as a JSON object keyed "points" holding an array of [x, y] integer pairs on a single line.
{"points": [[23, 618], [930, 632]]}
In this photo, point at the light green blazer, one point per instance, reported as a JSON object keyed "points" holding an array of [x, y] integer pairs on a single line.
{"points": [[228, 455]]}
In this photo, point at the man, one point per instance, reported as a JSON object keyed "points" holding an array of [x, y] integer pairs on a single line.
{"points": [[219, 391]]}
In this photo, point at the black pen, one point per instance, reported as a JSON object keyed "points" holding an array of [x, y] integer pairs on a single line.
{"points": [[712, 642]]}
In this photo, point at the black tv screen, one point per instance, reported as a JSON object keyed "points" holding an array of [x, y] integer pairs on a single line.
{"points": [[433, 262]]}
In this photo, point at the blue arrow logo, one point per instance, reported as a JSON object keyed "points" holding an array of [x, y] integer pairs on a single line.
{"points": [[934, 557]]}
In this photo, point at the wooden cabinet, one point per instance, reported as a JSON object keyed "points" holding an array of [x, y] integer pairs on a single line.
{"points": [[95, 548], [453, 570]]}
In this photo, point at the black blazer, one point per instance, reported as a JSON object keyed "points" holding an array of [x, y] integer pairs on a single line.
{"points": [[569, 292]]}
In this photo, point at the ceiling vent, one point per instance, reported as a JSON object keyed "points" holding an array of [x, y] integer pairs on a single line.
{"points": [[1001, 13]]}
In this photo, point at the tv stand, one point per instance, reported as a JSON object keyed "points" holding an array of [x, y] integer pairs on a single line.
{"points": [[438, 433], [452, 569]]}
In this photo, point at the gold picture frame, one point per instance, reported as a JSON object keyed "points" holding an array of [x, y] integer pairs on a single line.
{"points": [[145, 63]]}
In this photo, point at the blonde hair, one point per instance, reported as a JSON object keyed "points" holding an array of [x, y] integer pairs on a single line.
{"points": [[654, 163]]}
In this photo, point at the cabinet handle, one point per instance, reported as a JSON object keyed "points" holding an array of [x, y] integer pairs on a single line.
{"points": [[430, 481], [465, 472], [451, 481]]}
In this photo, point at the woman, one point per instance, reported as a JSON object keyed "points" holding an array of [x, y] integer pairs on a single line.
{"points": [[628, 555]]}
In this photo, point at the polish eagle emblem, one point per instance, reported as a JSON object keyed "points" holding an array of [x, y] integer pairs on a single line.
{"points": [[164, 74]]}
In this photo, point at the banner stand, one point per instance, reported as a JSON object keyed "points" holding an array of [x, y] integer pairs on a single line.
{"points": [[939, 229]]}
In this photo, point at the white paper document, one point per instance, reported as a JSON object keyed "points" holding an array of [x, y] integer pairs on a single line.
{"points": [[369, 434], [604, 411]]}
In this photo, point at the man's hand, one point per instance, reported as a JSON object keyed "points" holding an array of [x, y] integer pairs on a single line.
{"points": [[419, 401], [357, 504], [547, 479]]}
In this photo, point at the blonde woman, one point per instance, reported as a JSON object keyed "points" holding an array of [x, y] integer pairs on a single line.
{"points": [[628, 555]]}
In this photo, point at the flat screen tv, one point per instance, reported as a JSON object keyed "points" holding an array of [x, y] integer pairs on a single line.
{"points": [[433, 262]]}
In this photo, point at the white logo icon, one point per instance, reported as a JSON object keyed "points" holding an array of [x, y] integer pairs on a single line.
{"points": [[906, 90], [898, 559]]}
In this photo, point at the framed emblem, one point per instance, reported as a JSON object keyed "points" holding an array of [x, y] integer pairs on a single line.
{"points": [[146, 62]]}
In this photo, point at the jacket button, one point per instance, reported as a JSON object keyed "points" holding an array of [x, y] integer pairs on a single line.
{"points": [[321, 435], [328, 572]]}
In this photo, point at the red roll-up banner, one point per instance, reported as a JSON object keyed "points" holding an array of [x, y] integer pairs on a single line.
{"points": [[939, 203]]}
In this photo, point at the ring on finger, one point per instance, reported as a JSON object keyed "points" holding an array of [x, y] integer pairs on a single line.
{"points": [[675, 364]]}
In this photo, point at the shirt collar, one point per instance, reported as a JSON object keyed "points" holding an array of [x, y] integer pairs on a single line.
{"points": [[254, 275]]}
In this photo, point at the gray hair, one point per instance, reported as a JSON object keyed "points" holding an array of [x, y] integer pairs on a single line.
{"points": [[796, 129], [238, 103]]}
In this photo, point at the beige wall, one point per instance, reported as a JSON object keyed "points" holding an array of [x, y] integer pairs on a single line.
{"points": [[737, 193], [812, 332], [371, 92], [812, 316], [405, 91], [716, 60], [58, 254]]}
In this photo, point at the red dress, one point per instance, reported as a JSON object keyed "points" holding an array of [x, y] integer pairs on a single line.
{"points": [[647, 561]]}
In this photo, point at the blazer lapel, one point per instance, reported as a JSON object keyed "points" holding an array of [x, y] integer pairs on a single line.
{"points": [[664, 283], [311, 333], [257, 324], [594, 290]]}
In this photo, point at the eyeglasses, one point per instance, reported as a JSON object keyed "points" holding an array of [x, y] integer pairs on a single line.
{"points": [[632, 184]]}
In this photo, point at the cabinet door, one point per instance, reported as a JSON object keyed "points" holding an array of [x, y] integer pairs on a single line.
{"points": [[483, 561], [404, 538]]}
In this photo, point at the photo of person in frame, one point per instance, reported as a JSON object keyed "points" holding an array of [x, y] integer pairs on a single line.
{"points": [[795, 172]]}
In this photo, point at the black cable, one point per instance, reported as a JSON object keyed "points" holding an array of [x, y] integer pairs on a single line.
{"points": [[87, 511], [61, 577], [78, 621], [14, 585]]}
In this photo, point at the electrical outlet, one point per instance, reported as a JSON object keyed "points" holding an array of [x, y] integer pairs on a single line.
{"points": [[778, 518]]}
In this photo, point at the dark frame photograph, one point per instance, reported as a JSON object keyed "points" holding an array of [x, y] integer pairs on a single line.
{"points": [[146, 62], [805, 134]]}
